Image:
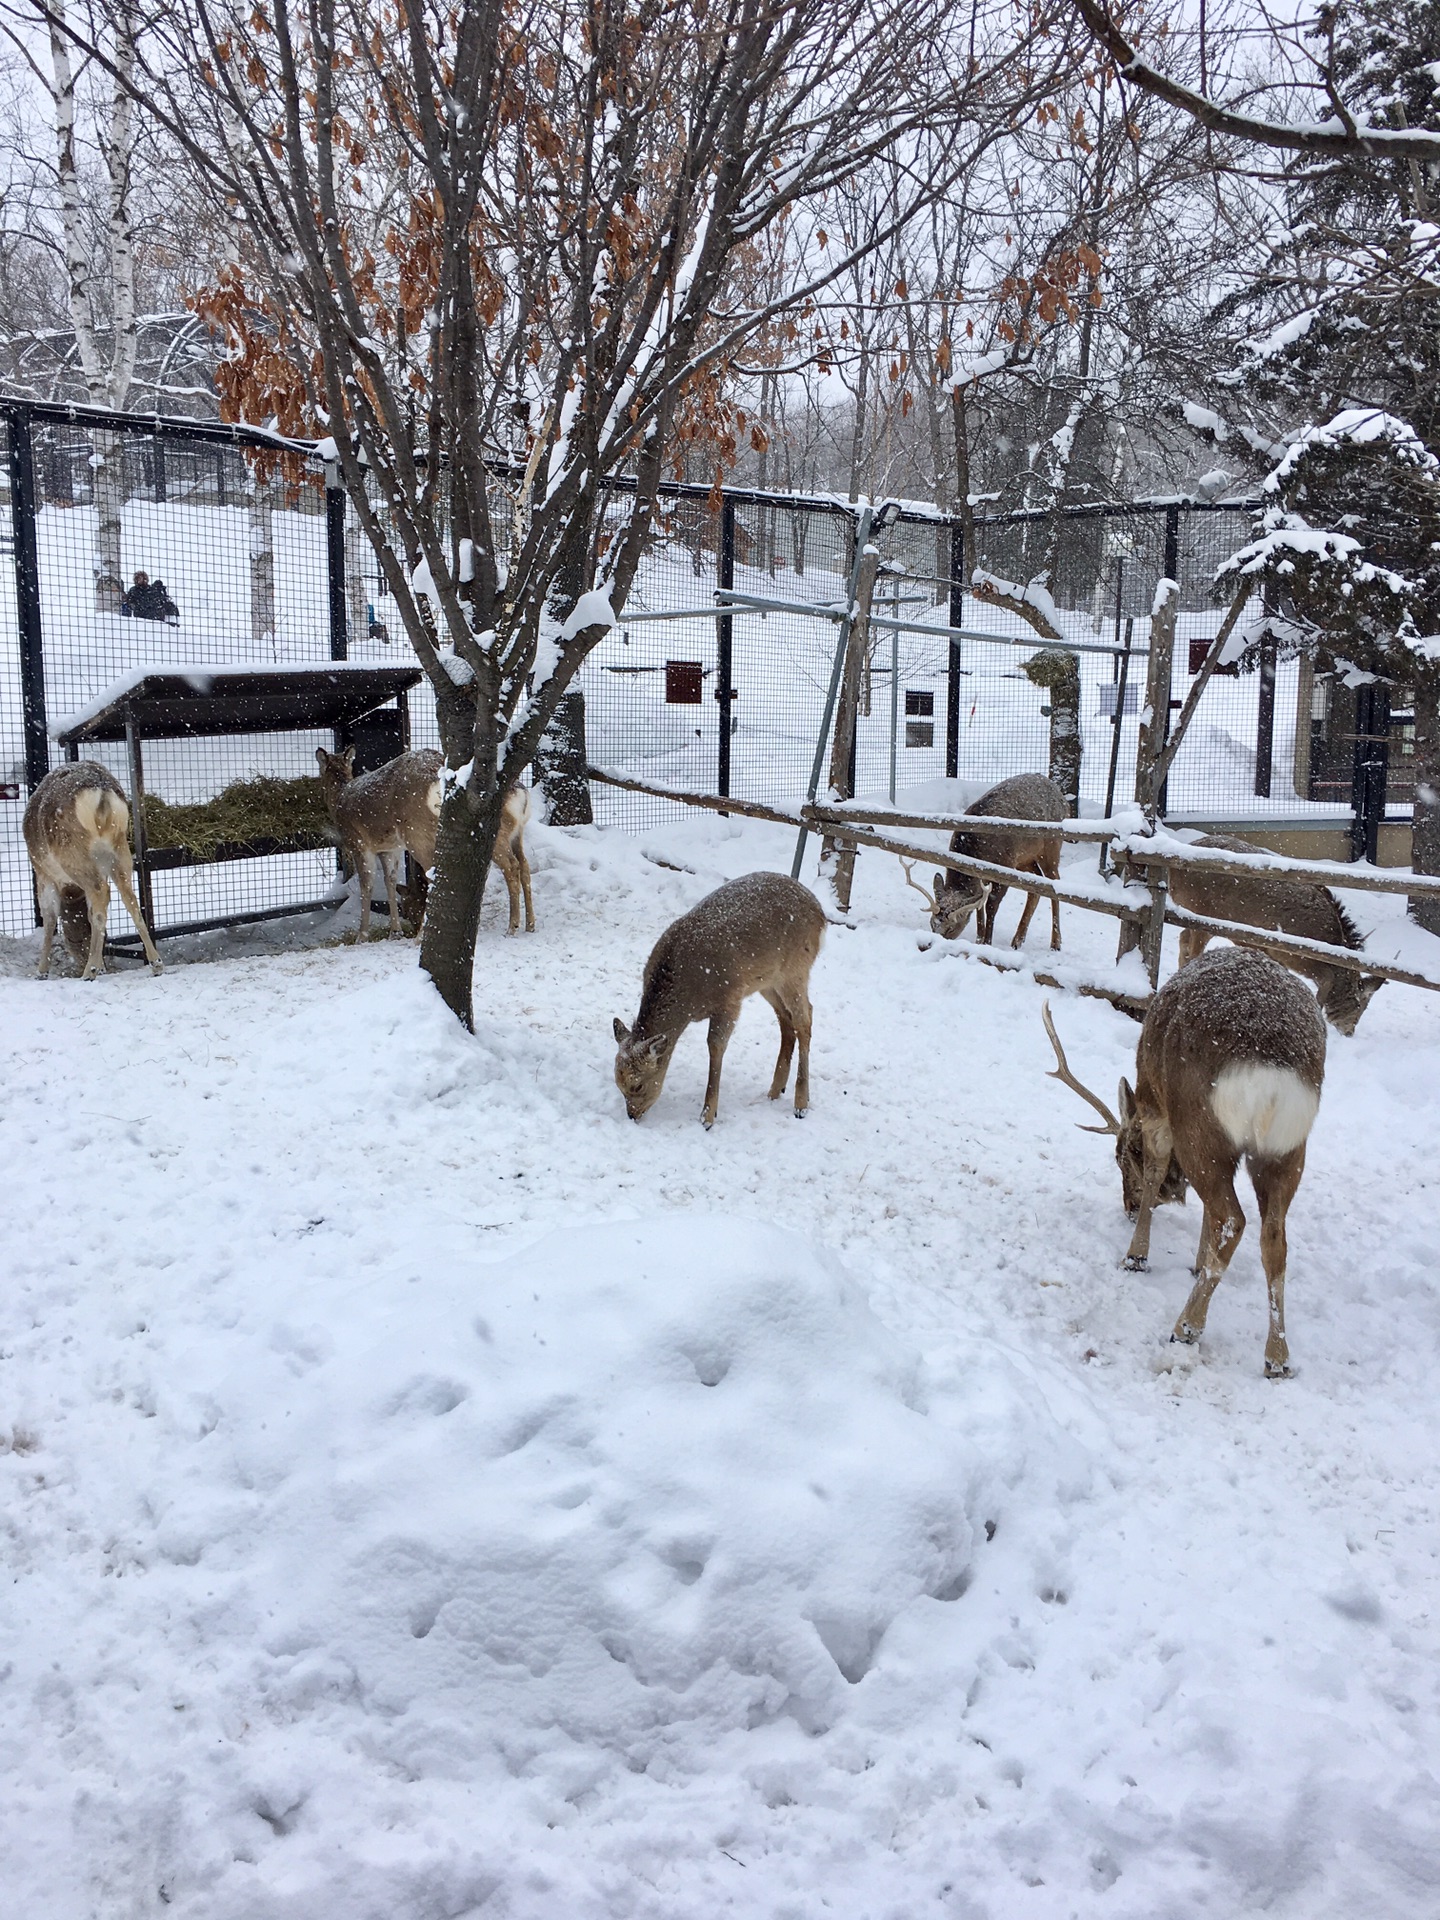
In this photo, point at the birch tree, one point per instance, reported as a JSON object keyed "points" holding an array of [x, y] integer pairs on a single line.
{"points": [[100, 282]]}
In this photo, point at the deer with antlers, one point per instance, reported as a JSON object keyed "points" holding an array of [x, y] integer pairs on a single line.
{"points": [[1229, 1065], [1025, 796]]}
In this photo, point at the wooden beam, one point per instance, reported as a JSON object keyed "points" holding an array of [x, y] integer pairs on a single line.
{"points": [[1318, 873], [1285, 943], [1071, 830]]}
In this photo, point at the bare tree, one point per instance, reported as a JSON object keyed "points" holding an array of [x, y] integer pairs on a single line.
{"points": [[491, 245]]}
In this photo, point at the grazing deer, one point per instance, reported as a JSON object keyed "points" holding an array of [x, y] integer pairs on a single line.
{"points": [[756, 935], [1286, 906], [77, 832], [1230, 1062], [1025, 796], [396, 810]]}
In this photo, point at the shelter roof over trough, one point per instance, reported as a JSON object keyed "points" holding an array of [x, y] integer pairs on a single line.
{"points": [[169, 702]]}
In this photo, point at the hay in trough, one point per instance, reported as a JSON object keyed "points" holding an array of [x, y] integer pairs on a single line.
{"points": [[247, 813]]}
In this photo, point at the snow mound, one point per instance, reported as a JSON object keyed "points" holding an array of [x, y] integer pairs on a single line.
{"points": [[671, 1479]]}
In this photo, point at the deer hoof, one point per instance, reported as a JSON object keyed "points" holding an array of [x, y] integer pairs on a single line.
{"points": [[1279, 1370], [1135, 1262], [707, 1120], [155, 967], [1184, 1336], [800, 1112]]}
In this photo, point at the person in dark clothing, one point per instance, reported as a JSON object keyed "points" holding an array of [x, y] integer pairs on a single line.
{"points": [[148, 600]]}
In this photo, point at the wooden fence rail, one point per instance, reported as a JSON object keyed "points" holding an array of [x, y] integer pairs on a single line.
{"points": [[1137, 903]]}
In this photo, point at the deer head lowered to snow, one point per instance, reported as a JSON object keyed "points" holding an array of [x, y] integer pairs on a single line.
{"points": [[77, 833], [756, 935], [1025, 796], [1229, 1065], [1287, 906]]}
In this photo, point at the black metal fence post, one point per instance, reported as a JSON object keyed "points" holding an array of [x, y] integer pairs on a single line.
{"points": [[27, 596], [1372, 769], [952, 682], [1171, 565], [335, 564], [1265, 722], [724, 643]]}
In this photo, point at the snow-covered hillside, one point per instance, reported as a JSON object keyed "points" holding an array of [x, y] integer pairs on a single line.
{"points": [[426, 1493]]}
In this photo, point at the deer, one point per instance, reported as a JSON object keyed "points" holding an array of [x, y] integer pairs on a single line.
{"points": [[77, 833], [396, 809], [1286, 906], [1230, 1063], [1024, 796], [759, 935]]}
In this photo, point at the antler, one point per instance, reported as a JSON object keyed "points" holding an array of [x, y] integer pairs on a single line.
{"points": [[911, 881], [1062, 1073]]}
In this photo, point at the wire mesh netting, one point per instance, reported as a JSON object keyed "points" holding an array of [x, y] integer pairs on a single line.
{"points": [[166, 545], [161, 549]]}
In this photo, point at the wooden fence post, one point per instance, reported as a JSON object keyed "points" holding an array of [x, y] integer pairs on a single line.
{"points": [[837, 858]]}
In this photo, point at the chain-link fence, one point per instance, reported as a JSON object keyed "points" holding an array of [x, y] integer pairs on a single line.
{"points": [[134, 541]]}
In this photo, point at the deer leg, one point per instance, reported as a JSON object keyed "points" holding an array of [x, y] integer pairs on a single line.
{"points": [[388, 865], [524, 866], [1219, 1237], [505, 860], [1032, 900], [49, 915], [1275, 1184], [787, 1041], [985, 919], [801, 1014], [721, 1028], [1051, 871], [126, 887], [365, 867], [99, 905], [1158, 1146]]}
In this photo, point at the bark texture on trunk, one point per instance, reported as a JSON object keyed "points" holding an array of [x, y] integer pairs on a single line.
{"points": [[1425, 836], [464, 845], [109, 490], [1059, 672], [560, 765], [262, 563]]}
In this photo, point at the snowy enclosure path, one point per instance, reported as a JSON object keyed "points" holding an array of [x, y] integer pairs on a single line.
{"points": [[425, 1493]]}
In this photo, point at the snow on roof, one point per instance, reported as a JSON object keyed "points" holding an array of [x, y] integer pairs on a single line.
{"points": [[200, 677]]}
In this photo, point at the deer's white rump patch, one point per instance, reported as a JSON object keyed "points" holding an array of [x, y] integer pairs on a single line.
{"points": [[1264, 1109]]}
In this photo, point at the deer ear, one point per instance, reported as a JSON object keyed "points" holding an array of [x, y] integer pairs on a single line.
{"points": [[349, 758], [622, 1033], [1127, 1103], [655, 1047], [321, 756], [939, 886]]}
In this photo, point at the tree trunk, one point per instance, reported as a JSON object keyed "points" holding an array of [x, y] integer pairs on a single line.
{"points": [[109, 491], [358, 560], [469, 823], [963, 504], [1155, 718], [1425, 838], [1059, 672], [262, 565], [560, 764]]}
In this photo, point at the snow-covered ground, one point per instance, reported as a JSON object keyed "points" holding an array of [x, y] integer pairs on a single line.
{"points": [[425, 1493]]}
